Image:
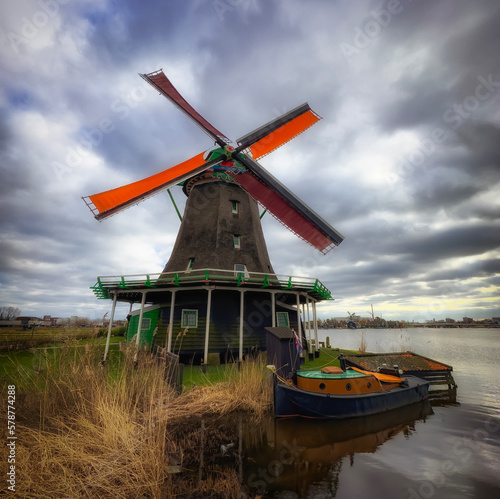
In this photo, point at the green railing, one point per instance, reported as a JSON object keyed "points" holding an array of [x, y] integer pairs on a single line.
{"points": [[106, 284]]}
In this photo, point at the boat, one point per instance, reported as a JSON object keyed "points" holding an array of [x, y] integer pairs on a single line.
{"points": [[333, 393]]}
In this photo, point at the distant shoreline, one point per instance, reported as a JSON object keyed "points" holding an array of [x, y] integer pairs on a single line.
{"points": [[412, 326]]}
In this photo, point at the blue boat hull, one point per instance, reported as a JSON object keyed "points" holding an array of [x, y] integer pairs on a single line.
{"points": [[290, 401]]}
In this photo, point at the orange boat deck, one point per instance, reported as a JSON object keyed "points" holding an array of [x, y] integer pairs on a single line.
{"points": [[349, 383]]}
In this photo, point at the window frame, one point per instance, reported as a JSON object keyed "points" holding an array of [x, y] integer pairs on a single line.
{"points": [[146, 320], [279, 316], [184, 315], [243, 271]]}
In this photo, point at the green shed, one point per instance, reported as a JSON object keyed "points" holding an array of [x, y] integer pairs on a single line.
{"points": [[149, 324]]}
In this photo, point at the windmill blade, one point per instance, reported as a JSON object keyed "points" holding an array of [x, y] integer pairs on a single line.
{"points": [[286, 207], [111, 202], [277, 132], [160, 82]]}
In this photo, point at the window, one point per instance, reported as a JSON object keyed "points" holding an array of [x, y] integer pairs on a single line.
{"points": [[146, 323], [235, 207], [237, 241], [241, 268], [190, 265], [282, 319], [189, 318]]}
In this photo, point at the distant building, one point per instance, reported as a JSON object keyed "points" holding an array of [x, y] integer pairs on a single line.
{"points": [[467, 320], [27, 322], [49, 321]]}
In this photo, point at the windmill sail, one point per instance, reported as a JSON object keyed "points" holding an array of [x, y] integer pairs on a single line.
{"points": [[274, 134], [254, 179], [287, 207], [110, 202], [159, 81], [260, 142]]}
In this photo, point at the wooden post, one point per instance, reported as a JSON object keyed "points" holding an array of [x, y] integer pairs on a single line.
{"points": [[273, 309], [242, 310], [139, 325], [111, 318], [171, 322], [315, 320], [310, 354], [207, 325], [299, 327], [309, 322]]}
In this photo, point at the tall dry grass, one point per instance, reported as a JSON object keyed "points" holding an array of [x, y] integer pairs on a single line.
{"points": [[85, 430], [246, 388]]}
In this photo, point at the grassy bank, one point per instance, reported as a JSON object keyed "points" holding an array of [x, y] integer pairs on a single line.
{"points": [[119, 431], [85, 430]]}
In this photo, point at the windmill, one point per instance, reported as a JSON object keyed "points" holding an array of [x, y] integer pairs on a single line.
{"points": [[350, 321], [220, 245]]}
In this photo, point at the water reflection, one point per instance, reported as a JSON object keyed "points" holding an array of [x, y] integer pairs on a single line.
{"points": [[287, 458], [296, 456]]}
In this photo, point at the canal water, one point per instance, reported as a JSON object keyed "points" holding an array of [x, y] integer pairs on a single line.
{"points": [[439, 450]]}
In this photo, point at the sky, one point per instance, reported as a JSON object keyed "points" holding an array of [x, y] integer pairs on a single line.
{"points": [[405, 162]]}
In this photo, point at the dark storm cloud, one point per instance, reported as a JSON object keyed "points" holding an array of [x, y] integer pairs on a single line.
{"points": [[441, 190], [458, 241], [135, 29], [419, 105], [482, 268], [481, 142]]}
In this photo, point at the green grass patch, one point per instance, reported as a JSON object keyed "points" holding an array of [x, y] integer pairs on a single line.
{"points": [[19, 364], [200, 376], [327, 357]]}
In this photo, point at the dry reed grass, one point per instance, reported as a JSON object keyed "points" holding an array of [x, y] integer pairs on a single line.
{"points": [[90, 431], [245, 389]]}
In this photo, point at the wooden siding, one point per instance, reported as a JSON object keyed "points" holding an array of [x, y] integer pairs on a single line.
{"points": [[224, 321]]}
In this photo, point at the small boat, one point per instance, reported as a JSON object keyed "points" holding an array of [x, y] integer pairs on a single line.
{"points": [[333, 393]]}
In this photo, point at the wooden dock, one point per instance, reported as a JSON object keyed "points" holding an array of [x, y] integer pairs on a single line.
{"points": [[442, 385]]}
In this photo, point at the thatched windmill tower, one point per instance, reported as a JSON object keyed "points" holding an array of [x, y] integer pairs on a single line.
{"points": [[219, 281]]}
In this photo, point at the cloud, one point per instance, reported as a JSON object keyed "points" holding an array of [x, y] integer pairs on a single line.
{"points": [[404, 162]]}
